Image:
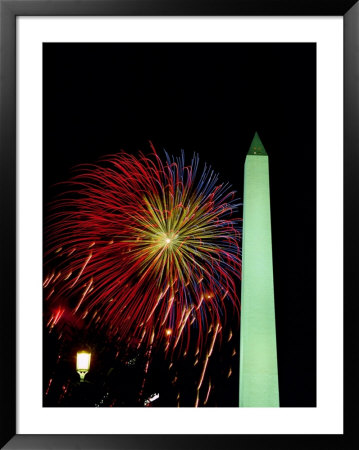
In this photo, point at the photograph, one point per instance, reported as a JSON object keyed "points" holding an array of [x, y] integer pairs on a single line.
{"points": [[179, 225]]}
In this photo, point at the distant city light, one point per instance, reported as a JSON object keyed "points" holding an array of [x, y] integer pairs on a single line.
{"points": [[151, 399]]}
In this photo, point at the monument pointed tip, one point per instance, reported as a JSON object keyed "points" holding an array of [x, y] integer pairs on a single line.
{"points": [[257, 147]]}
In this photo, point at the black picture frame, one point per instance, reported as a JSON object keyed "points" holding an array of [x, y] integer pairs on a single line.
{"points": [[9, 10]]}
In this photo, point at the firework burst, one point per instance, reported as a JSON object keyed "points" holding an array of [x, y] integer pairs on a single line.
{"points": [[147, 250]]}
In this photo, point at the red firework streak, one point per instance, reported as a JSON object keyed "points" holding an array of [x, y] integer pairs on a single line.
{"points": [[146, 250]]}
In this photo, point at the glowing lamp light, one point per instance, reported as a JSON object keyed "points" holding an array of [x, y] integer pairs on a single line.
{"points": [[83, 361]]}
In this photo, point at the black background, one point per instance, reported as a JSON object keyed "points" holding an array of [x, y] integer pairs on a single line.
{"points": [[208, 98]]}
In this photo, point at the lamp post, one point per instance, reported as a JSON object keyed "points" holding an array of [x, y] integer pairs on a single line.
{"points": [[83, 361]]}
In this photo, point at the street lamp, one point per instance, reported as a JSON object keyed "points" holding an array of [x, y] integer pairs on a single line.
{"points": [[83, 364]]}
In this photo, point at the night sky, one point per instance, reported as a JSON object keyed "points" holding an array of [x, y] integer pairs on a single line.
{"points": [[210, 99]]}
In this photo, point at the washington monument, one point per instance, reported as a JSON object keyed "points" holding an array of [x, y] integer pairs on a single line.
{"points": [[258, 384]]}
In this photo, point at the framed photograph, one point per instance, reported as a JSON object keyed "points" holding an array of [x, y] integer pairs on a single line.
{"points": [[172, 224]]}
